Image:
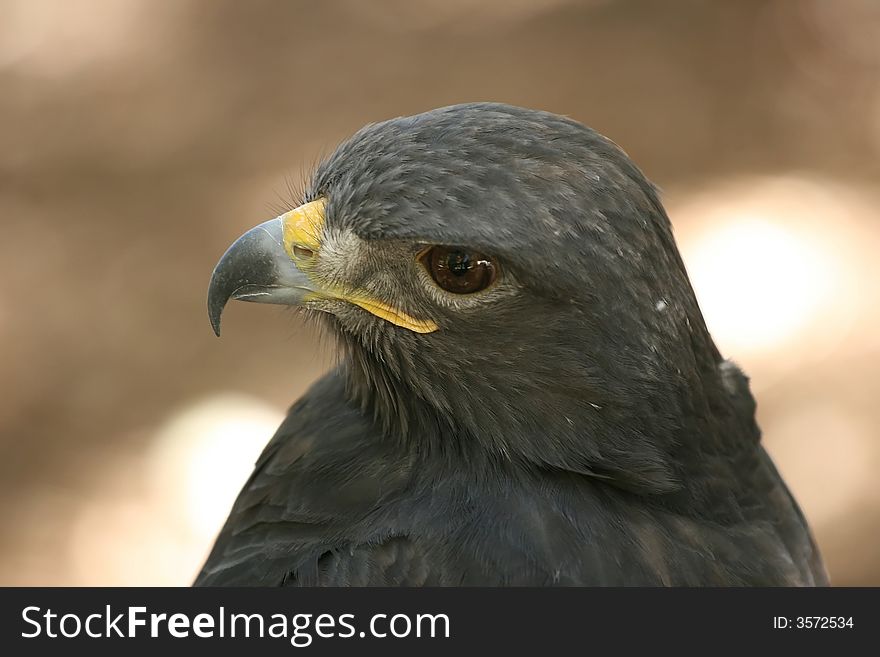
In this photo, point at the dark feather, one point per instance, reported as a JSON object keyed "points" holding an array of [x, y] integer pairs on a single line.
{"points": [[334, 503]]}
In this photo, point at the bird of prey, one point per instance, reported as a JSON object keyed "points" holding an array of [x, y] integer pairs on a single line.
{"points": [[527, 393]]}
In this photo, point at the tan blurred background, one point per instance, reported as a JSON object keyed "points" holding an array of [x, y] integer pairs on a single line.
{"points": [[138, 138]]}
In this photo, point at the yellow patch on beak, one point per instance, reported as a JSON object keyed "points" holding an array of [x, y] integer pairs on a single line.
{"points": [[303, 226], [393, 315], [302, 230]]}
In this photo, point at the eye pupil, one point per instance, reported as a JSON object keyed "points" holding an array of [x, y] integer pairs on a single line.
{"points": [[459, 270], [459, 262]]}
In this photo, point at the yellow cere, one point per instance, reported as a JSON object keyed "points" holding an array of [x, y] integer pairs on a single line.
{"points": [[302, 228]]}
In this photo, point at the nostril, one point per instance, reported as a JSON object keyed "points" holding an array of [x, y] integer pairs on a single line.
{"points": [[302, 252]]}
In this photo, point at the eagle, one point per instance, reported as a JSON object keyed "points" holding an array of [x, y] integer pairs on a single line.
{"points": [[527, 393]]}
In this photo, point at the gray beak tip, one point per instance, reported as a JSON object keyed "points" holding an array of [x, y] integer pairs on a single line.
{"points": [[257, 269], [218, 295]]}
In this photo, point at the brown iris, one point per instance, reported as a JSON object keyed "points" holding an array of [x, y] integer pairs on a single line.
{"points": [[459, 270]]}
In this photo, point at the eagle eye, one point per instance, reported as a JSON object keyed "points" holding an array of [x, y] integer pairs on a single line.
{"points": [[459, 270]]}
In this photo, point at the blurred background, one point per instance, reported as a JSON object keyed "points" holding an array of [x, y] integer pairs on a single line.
{"points": [[138, 138]]}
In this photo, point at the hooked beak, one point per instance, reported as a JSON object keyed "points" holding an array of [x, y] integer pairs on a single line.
{"points": [[269, 264], [256, 268], [260, 266]]}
